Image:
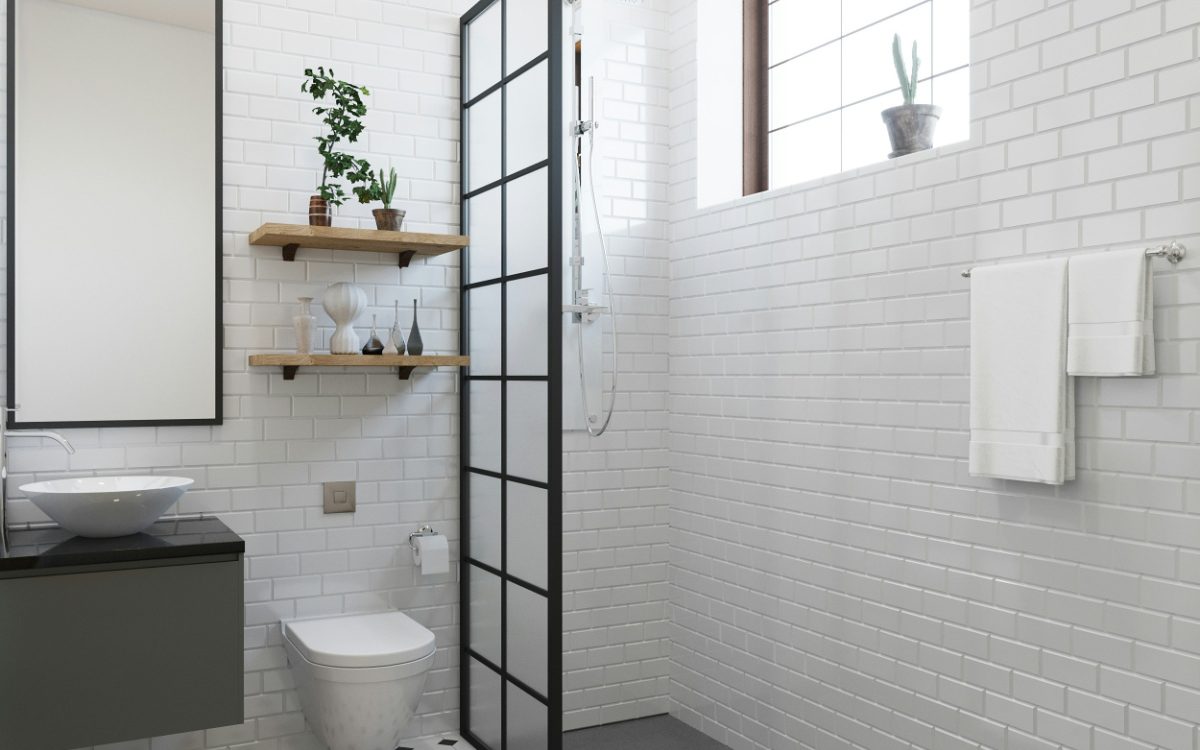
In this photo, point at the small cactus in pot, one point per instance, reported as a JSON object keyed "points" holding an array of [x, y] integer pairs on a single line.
{"points": [[911, 125], [383, 188]]}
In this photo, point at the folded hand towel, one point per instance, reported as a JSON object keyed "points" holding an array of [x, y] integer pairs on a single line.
{"points": [[1110, 318], [1022, 401]]}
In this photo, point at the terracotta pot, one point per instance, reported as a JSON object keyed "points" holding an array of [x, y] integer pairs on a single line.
{"points": [[318, 211], [388, 218], [911, 126]]}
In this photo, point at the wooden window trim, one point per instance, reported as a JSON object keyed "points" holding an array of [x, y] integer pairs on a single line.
{"points": [[755, 104]]}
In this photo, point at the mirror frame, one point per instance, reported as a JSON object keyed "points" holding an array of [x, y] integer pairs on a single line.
{"points": [[12, 420]]}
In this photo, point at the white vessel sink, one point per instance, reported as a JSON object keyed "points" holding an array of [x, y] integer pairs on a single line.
{"points": [[106, 506]]}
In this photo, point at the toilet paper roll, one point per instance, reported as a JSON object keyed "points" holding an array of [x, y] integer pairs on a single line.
{"points": [[432, 554]]}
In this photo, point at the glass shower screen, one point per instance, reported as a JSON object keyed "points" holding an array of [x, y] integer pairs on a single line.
{"points": [[511, 397]]}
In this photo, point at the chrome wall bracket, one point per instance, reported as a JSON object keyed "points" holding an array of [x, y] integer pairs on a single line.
{"points": [[425, 530]]}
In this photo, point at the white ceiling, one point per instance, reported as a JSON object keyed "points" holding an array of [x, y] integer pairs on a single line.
{"points": [[192, 14]]}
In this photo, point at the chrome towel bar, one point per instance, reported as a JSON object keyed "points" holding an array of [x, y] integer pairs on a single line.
{"points": [[1173, 252]]}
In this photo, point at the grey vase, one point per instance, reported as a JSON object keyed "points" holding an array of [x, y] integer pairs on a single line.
{"points": [[415, 345], [910, 127]]}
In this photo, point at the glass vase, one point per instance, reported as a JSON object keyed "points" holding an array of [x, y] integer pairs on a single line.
{"points": [[304, 323], [373, 345], [396, 334]]}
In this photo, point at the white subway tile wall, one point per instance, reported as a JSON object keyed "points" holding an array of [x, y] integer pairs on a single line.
{"points": [[615, 640], [837, 579], [261, 471]]}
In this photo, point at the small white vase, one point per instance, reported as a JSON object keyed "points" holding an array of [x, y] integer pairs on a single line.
{"points": [[304, 323], [344, 303]]}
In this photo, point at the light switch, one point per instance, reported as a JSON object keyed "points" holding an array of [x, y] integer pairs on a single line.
{"points": [[340, 497]]}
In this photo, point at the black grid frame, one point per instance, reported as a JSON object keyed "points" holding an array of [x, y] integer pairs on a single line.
{"points": [[553, 165], [756, 87]]}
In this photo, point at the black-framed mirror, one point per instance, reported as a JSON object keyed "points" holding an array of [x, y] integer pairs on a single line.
{"points": [[114, 213]]}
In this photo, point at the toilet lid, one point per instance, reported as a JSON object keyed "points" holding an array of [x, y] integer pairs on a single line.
{"points": [[378, 640]]}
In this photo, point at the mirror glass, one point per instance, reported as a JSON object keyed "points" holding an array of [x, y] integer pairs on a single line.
{"points": [[114, 249]]}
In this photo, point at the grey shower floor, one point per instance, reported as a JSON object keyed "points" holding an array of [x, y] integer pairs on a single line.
{"points": [[654, 733]]}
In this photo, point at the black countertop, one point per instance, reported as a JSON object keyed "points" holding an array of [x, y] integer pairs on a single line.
{"points": [[168, 539]]}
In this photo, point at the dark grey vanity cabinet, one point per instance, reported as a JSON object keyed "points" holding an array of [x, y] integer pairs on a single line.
{"points": [[139, 640]]}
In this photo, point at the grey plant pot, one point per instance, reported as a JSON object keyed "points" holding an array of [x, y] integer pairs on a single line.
{"points": [[911, 126]]}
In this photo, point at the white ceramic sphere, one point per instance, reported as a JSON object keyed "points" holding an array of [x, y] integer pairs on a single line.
{"points": [[344, 303]]}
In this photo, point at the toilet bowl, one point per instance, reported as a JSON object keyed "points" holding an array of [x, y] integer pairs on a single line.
{"points": [[360, 677]]}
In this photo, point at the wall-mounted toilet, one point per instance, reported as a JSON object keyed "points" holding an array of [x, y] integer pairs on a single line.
{"points": [[360, 677]]}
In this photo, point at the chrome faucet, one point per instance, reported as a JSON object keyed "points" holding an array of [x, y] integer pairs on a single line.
{"points": [[40, 434], [66, 444]]}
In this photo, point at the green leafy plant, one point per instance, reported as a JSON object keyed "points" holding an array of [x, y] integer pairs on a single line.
{"points": [[343, 122], [908, 82]]}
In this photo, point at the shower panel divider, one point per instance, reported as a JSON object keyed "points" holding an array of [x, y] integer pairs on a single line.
{"points": [[511, 395]]}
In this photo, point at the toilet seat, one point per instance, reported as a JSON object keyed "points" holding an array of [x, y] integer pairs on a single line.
{"points": [[323, 673], [367, 648]]}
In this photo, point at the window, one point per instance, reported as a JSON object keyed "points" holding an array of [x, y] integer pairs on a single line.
{"points": [[817, 74]]}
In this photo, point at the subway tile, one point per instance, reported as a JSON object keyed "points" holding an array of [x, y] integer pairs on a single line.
{"points": [[775, 514]]}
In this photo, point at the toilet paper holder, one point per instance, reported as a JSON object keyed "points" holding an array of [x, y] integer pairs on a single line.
{"points": [[423, 531]]}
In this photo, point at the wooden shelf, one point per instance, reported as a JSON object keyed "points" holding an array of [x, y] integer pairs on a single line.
{"points": [[402, 362], [291, 237]]}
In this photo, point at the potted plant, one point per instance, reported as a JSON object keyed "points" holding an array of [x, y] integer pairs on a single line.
{"points": [[343, 121], [383, 188], [911, 125]]}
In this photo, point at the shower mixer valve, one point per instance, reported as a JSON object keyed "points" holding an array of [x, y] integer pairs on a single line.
{"points": [[583, 310], [582, 127]]}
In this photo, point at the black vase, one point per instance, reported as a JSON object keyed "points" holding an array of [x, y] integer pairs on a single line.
{"points": [[374, 345], [415, 345]]}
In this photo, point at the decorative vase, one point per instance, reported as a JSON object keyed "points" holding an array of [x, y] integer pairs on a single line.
{"points": [[304, 322], [373, 345], [318, 211], [910, 127], [388, 218], [395, 336], [415, 345], [344, 302]]}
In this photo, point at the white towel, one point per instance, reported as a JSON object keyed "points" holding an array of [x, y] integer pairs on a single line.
{"points": [[1022, 401], [1110, 315]]}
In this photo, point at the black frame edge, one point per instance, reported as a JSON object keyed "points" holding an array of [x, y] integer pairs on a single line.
{"points": [[554, 164], [10, 418], [554, 509]]}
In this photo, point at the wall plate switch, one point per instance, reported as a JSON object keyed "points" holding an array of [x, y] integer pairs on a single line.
{"points": [[340, 497]]}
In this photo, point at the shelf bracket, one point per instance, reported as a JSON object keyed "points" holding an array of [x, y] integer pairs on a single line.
{"points": [[405, 372], [406, 258], [289, 371], [289, 254]]}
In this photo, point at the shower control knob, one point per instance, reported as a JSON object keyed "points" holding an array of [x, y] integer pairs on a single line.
{"points": [[586, 313]]}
